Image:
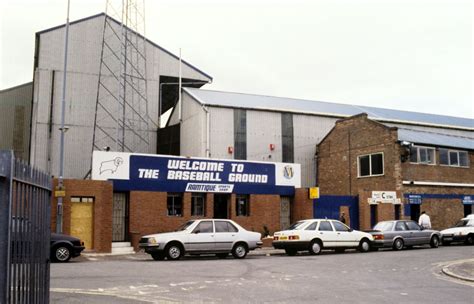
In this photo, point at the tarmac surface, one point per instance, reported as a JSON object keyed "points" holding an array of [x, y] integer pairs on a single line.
{"points": [[462, 270]]}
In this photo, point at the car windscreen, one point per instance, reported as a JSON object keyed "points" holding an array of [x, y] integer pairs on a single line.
{"points": [[296, 226], [185, 226], [384, 226], [462, 223]]}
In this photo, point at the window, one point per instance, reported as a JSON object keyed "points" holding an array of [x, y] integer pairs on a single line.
{"points": [[370, 165], [384, 226], [400, 226], [453, 158], [325, 226], [204, 227], [240, 134], [198, 203], [242, 205], [422, 155], [80, 199], [222, 226], [287, 137], [413, 226], [312, 226], [340, 227], [175, 204]]}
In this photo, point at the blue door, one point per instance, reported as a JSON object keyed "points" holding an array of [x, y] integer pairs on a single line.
{"points": [[327, 206]]}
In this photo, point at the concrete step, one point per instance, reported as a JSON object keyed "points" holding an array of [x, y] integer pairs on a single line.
{"points": [[122, 250], [121, 244]]}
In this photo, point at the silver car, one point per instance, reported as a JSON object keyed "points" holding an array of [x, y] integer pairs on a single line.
{"points": [[403, 233], [218, 236]]}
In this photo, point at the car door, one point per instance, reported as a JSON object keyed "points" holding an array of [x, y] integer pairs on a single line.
{"points": [[401, 229], [327, 234], [202, 237], [419, 236], [225, 236], [344, 236]]}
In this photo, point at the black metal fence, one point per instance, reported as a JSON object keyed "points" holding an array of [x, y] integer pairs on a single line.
{"points": [[25, 196]]}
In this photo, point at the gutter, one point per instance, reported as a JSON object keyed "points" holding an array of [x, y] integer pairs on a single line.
{"points": [[423, 183]]}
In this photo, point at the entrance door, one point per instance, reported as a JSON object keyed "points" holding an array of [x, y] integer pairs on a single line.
{"points": [[414, 212], [284, 212], [120, 217], [221, 206], [82, 219], [373, 215]]}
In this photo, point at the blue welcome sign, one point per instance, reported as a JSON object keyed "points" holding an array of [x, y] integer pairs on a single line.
{"points": [[179, 174]]}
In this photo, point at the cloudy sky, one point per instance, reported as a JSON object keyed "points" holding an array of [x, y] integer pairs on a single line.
{"points": [[412, 55]]}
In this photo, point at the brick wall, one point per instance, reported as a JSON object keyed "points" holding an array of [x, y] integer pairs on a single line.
{"points": [[102, 191], [302, 205]]}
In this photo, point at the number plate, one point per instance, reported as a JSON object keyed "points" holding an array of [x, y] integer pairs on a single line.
{"points": [[283, 238]]}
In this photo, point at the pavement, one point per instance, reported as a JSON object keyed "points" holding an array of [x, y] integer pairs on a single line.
{"points": [[462, 270]]}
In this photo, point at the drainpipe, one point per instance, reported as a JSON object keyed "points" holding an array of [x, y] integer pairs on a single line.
{"points": [[208, 131]]}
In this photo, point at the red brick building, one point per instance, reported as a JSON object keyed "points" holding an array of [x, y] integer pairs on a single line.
{"points": [[104, 212], [397, 172]]}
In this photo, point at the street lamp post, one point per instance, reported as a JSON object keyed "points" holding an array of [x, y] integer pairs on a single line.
{"points": [[59, 215]]}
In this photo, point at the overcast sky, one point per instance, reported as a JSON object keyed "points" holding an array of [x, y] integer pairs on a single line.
{"points": [[413, 55]]}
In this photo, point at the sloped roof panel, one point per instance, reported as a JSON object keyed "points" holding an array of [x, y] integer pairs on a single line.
{"points": [[249, 101], [435, 139]]}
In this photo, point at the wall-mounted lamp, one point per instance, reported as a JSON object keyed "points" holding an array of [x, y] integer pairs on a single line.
{"points": [[230, 150], [272, 147]]}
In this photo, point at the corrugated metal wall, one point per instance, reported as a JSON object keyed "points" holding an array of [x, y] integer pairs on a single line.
{"points": [[15, 117], [83, 71]]}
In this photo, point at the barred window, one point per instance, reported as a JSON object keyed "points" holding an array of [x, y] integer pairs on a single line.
{"points": [[175, 204], [242, 205], [198, 204]]}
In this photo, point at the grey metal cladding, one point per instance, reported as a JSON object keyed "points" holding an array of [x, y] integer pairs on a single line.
{"points": [[435, 139], [249, 101]]}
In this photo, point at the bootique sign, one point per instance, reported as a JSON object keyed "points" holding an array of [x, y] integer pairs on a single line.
{"points": [[131, 171]]}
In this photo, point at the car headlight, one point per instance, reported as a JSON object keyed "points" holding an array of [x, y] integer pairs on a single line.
{"points": [[152, 240]]}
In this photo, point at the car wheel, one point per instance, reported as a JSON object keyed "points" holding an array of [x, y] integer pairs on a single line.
{"points": [[291, 252], [62, 253], [239, 251], [222, 255], [434, 243], [158, 256], [470, 239], [174, 251], [398, 244], [364, 245], [315, 247]]}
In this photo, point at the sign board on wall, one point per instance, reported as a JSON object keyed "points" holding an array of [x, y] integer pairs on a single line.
{"points": [[389, 197], [313, 192], [468, 200], [130, 171]]}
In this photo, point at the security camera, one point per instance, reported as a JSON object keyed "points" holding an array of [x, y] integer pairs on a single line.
{"points": [[106, 148], [406, 143]]}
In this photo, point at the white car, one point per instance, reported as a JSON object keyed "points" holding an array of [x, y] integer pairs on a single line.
{"points": [[316, 234], [463, 231], [217, 236]]}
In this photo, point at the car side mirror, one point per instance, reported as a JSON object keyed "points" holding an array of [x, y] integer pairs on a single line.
{"points": [[350, 229], [196, 231]]}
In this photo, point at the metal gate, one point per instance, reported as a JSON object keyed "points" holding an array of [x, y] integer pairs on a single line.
{"points": [[328, 206], [284, 212], [25, 200], [120, 217]]}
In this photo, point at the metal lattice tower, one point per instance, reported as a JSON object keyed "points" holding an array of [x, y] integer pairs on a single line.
{"points": [[121, 117]]}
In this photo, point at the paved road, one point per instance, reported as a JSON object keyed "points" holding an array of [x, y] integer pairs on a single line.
{"points": [[409, 276]]}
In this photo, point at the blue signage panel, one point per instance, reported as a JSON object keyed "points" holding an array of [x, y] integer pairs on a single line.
{"points": [[178, 174]]}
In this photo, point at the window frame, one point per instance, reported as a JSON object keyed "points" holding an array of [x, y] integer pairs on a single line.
{"points": [[458, 152], [198, 195], [247, 203], [418, 162], [174, 195], [370, 165]]}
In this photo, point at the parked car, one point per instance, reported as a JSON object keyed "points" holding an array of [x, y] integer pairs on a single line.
{"points": [[314, 235], [23, 242], [217, 236], [463, 231], [403, 233], [64, 247]]}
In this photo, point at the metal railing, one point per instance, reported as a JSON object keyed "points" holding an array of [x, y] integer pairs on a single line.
{"points": [[25, 212]]}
